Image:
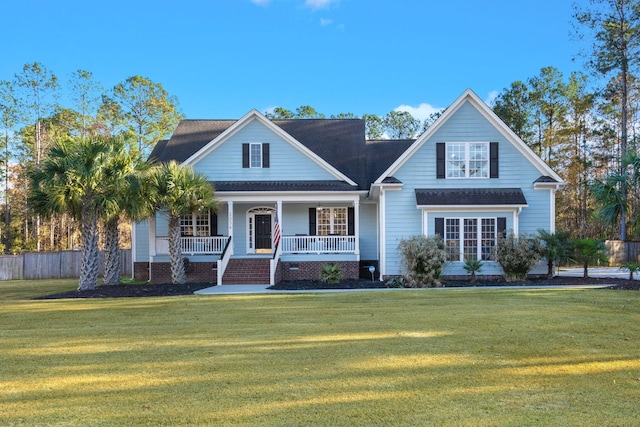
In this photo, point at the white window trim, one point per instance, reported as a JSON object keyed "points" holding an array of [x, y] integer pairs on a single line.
{"points": [[478, 235], [251, 156], [251, 224], [193, 217], [467, 160], [332, 219]]}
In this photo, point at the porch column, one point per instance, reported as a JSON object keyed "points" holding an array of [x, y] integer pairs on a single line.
{"points": [[356, 224], [230, 218], [279, 211], [152, 236]]}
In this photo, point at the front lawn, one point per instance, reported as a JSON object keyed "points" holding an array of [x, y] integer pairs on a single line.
{"points": [[469, 357]]}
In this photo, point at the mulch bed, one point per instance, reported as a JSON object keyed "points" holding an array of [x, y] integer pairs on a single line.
{"points": [[149, 290]]}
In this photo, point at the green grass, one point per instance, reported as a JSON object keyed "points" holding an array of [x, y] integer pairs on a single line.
{"points": [[412, 357]]}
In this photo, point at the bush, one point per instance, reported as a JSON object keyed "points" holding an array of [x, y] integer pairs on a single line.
{"points": [[423, 259], [331, 273], [517, 254], [396, 282]]}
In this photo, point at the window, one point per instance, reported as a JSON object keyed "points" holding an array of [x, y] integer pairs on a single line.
{"points": [[255, 155], [468, 238], [331, 221], [467, 160], [195, 225]]}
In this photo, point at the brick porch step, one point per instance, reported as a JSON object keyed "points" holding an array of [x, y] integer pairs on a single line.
{"points": [[247, 271]]}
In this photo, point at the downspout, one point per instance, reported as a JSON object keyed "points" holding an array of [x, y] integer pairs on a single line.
{"points": [[383, 229], [516, 221]]}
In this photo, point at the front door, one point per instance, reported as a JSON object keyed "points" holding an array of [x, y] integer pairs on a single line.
{"points": [[263, 233]]}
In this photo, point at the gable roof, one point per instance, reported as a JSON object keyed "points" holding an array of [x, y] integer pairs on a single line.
{"points": [[337, 144], [470, 96]]}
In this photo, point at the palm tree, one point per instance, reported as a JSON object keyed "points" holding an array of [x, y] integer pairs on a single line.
{"points": [[126, 176], [589, 252], [557, 248], [73, 179], [178, 190], [612, 193]]}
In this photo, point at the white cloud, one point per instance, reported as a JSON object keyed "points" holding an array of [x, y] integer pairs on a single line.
{"points": [[324, 22], [491, 97], [261, 2], [318, 4], [421, 112]]}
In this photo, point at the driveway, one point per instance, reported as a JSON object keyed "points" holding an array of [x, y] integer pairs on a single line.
{"points": [[598, 272]]}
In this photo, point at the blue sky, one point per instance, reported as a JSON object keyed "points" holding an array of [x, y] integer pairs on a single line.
{"points": [[222, 58]]}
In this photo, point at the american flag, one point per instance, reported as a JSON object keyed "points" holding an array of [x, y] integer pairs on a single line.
{"points": [[276, 232]]}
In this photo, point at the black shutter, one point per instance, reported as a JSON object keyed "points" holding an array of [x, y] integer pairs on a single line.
{"points": [[493, 160], [440, 165], [245, 155], [312, 221], [265, 155], [213, 230], [351, 222], [502, 225], [440, 227]]}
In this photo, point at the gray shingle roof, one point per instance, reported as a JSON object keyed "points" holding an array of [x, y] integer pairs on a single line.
{"points": [[545, 179], [340, 142], [381, 153], [469, 196]]}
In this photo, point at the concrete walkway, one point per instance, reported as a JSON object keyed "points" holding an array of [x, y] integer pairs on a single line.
{"points": [[262, 289], [596, 272]]}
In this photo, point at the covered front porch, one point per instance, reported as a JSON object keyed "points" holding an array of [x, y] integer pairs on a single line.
{"points": [[296, 234]]}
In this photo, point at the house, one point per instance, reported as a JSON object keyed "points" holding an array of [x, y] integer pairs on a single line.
{"points": [[297, 194]]}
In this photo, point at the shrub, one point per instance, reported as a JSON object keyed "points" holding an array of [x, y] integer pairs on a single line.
{"points": [[423, 258], [395, 282], [517, 254], [473, 266], [331, 273]]}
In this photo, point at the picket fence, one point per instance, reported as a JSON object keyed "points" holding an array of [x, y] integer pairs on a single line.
{"points": [[51, 265]]}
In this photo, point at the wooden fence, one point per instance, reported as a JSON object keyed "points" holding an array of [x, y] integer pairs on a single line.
{"points": [[51, 265], [620, 252]]}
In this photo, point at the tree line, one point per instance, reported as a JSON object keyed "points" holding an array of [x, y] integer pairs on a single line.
{"points": [[584, 125], [33, 119]]}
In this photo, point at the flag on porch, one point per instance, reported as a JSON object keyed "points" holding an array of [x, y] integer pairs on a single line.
{"points": [[276, 232]]}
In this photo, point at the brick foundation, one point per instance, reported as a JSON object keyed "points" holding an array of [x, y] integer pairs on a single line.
{"points": [[141, 271], [310, 270], [197, 272]]}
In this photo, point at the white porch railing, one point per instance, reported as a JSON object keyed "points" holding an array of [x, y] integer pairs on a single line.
{"points": [[290, 245], [318, 244], [194, 245]]}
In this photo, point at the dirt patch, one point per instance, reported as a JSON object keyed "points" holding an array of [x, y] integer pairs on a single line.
{"points": [[148, 290]]}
